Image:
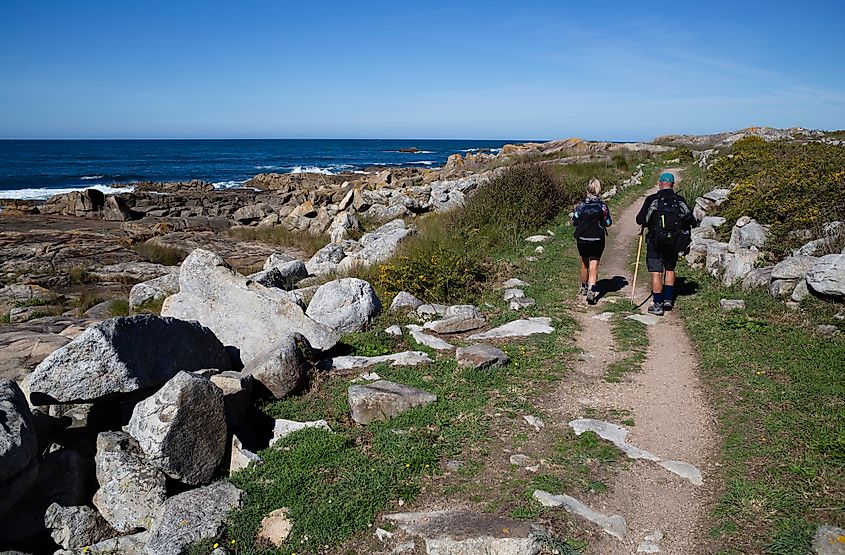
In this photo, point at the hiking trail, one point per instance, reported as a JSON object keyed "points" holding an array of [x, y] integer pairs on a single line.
{"points": [[665, 512]]}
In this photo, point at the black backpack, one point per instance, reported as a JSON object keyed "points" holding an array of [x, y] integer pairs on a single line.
{"points": [[591, 222], [667, 231]]}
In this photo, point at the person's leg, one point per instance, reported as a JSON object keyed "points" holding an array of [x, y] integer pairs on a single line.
{"points": [[584, 275], [669, 280], [594, 272]]}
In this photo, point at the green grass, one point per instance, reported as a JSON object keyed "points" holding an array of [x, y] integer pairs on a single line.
{"points": [[779, 393], [160, 254], [277, 236], [119, 307], [631, 338], [336, 485]]}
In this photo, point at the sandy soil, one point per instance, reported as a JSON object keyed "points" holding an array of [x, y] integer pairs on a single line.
{"points": [[667, 404]]}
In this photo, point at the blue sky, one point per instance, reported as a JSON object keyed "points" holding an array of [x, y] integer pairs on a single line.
{"points": [[499, 70]]}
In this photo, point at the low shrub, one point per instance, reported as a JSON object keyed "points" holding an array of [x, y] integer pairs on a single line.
{"points": [[434, 270], [520, 200], [683, 154], [791, 186], [160, 254]]}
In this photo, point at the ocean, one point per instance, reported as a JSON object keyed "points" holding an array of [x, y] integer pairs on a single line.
{"points": [[31, 169]]}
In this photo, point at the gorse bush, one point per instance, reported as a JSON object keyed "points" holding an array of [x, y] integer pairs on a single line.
{"points": [[436, 271], [791, 186]]}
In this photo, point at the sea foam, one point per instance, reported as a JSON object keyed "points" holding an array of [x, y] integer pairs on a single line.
{"points": [[44, 193]]}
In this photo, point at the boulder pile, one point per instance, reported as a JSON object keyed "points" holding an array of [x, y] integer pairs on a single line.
{"points": [[736, 262]]}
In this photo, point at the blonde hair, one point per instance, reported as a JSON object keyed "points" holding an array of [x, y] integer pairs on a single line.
{"points": [[594, 187]]}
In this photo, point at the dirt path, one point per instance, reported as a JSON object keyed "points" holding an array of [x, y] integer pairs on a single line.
{"points": [[667, 404]]}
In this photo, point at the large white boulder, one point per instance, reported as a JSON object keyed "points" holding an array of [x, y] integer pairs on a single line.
{"points": [[193, 516], [245, 315], [18, 445], [182, 428], [827, 276], [747, 233], [284, 367], [344, 305], [155, 289], [739, 265], [123, 355], [793, 267], [377, 246], [132, 490]]}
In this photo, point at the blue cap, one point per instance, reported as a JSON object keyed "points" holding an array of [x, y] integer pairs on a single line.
{"points": [[667, 178]]}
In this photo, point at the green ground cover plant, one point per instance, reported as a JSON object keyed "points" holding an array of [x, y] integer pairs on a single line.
{"points": [[779, 393]]}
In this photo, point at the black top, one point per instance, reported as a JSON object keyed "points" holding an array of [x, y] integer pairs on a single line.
{"points": [[649, 209]]}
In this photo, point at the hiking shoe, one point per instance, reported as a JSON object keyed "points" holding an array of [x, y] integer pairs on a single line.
{"points": [[656, 309], [584, 290], [591, 297], [668, 304]]}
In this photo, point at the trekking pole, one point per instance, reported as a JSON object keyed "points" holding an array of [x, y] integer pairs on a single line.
{"points": [[637, 266]]}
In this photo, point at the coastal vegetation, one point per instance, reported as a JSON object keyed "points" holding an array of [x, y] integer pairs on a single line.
{"points": [[791, 186], [777, 388]]}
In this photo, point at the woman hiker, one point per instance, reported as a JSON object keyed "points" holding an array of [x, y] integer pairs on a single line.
{"points": [[591, 220]]}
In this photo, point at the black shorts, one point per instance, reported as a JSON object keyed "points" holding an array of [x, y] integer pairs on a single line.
{"points": [[657, 260], [591, 250]]}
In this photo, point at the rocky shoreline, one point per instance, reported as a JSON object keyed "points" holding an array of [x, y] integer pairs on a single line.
{"points": [[117, 425]]}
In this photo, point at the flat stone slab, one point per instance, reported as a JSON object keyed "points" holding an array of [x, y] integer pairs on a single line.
{"points": [[457, 324], [829, 540], [481, 356], [517, 328], [538, 238], [428, 340], [614, 525], [514, 282], [511, 294], [647, 319], [603, 317], [283, 428], [383, 400], [405, 358], [617, 434], [519, 304], [460, 532], [732, 304]]}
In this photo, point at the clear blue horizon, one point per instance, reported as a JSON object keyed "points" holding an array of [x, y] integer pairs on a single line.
{"points": [[491, 70]]}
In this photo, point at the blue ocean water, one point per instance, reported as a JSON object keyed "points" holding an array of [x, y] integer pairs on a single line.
{"points": [[38, 169]]}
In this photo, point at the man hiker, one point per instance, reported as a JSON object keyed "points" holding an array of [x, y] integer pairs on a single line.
{"points": [[591, 219], [669, 219]]}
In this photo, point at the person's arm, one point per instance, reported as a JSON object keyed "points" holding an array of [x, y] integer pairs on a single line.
{"points": [[576, 214], [641, 216], [608, 219]]}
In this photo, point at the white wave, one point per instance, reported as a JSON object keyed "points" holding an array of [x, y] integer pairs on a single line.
{"points": [[423, 162], [90, 177], [230, 184], [311, 169], [267, 167], [44, 193]]}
